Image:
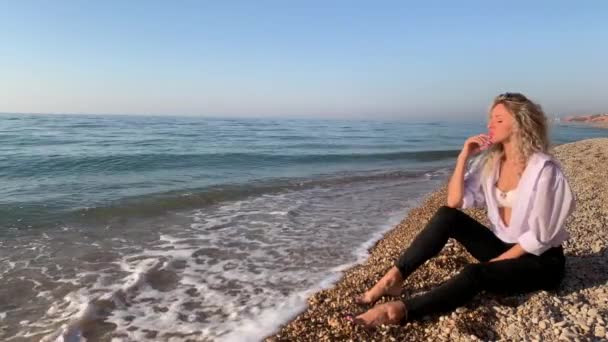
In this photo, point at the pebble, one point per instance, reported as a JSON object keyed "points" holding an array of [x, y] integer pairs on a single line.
{"points": [[600, 331], [490, 334], [512, 331], [565, 337]]}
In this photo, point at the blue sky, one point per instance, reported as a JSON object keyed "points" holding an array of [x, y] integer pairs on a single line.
{"points": [[344, 59]]}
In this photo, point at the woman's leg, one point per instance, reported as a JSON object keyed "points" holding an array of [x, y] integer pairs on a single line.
{"points": [[447, 222], [525, 274], [521, 275], [450, 223]]}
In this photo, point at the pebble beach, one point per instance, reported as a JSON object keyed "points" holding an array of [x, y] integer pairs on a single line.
{"points": [[576, 311]]}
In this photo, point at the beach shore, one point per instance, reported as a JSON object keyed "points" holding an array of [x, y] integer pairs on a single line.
{"points": [[576, 311]]}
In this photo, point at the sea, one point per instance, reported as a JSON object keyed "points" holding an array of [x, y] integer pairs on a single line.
{"points": [[151, 228]]}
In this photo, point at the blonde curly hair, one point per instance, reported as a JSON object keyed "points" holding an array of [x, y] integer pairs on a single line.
{"points": [[531, 128]]}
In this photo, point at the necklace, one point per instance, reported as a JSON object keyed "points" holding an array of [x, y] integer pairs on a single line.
{"points": [[503, 194]]}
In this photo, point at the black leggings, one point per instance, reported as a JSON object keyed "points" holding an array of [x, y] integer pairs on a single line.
{"points": [[527, 273]]}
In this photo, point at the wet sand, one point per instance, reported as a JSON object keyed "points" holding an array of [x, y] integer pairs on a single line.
{"points": [[576, 311]]}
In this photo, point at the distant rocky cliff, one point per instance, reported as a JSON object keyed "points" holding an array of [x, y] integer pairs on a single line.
{"points": [[595, 118], [598, 120]]}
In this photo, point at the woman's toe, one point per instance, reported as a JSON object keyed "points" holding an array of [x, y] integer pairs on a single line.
{"points": [[363, 299], [360, 299]]}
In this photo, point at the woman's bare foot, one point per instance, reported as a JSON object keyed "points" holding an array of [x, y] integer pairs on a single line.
{"points": [[389, 285], [390, 313]]}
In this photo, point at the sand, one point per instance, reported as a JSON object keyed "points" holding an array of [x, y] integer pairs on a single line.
{"points": [[576, 311]]}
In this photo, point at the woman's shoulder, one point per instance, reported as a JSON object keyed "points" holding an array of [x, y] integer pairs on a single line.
{"points": [[552, 180], [546, 166]]}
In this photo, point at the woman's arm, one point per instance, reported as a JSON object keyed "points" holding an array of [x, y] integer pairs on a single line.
{"points": [[512, 253], [456, 186]]}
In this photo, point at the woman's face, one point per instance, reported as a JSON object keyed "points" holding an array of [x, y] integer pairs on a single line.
{"points": [[501, 125]]}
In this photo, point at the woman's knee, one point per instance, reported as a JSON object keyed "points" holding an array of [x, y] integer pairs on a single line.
{"points": [[473, 273], [444, 217], [447, 213]]}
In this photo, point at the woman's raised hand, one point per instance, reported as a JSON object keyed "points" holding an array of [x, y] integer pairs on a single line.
{"points": [[476, 144]]}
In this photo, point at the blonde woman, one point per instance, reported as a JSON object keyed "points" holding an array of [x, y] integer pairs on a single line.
{"points": [[528, 200]]}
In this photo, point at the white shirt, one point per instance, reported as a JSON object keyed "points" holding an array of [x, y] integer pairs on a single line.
{"points": [[544, 202]]}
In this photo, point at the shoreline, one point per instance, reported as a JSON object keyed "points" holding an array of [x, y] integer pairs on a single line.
{"points": [[573, 311]]}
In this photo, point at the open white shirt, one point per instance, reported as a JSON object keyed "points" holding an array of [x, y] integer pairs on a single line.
{"points": [[544, 202]]}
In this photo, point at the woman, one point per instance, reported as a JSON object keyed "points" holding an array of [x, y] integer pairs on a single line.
{"points": [[528, 200]]}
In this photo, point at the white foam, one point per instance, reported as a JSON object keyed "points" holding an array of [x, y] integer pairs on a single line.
{"points": [[362, 252], [237, 272], [262, 323]]}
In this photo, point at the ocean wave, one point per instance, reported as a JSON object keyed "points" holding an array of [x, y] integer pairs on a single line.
{"points": [[156, 204], [25, 216], [28, 166]]}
